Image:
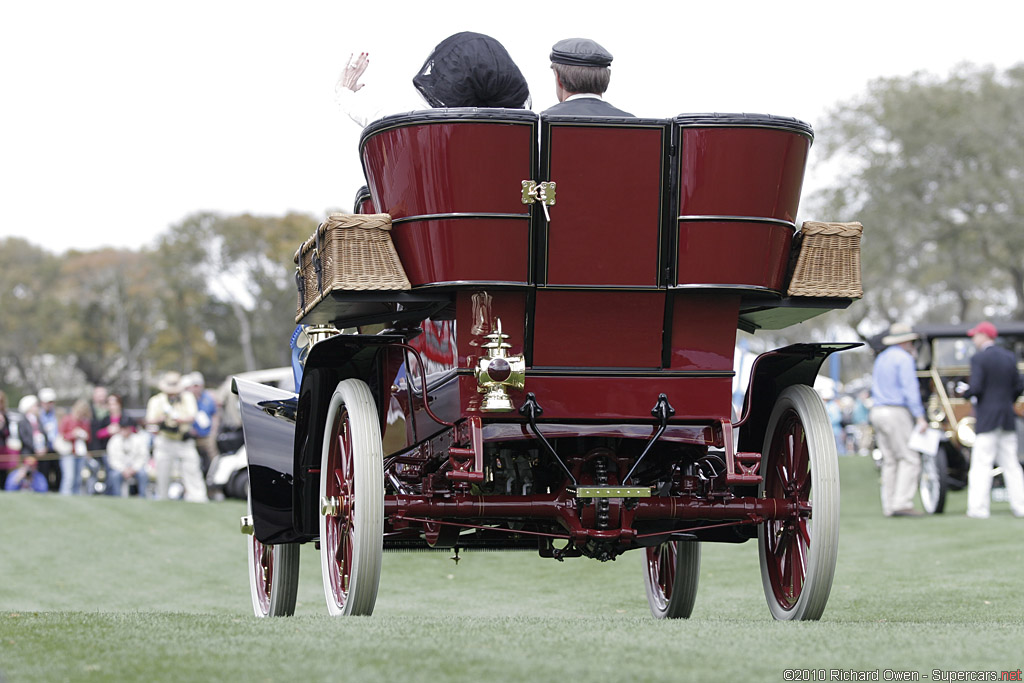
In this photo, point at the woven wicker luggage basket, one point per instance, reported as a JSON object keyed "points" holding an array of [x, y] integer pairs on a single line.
{"points": [[828, 264], [348, 252]]}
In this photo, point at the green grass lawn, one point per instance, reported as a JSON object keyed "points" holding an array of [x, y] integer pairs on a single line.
{"points": [[94, 589]]}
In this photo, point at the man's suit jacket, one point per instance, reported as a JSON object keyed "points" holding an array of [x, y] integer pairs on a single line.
{"points": [[996, 383], [585, 106]]}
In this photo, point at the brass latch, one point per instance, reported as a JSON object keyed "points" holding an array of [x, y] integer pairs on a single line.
{"points": [[543, 192]]}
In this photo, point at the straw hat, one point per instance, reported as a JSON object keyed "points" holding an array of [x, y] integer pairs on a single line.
{"points": [[171, 383], [899, 333]]}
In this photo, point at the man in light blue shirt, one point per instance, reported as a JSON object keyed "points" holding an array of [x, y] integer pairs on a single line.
{"points": [[896, 412]]}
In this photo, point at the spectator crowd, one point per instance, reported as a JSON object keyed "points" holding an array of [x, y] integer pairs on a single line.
{"points": [[90, 445]]}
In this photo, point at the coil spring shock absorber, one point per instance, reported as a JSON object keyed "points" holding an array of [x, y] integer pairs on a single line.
{"points": [[602, 504]]}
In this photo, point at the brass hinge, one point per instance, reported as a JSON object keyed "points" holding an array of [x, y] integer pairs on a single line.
{"points": [[543, 192]]}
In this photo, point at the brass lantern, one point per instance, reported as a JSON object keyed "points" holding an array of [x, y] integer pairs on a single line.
{"points": [[497, 371]]}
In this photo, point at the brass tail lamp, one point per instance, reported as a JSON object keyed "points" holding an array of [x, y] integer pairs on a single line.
{"points": [[496, 372]]}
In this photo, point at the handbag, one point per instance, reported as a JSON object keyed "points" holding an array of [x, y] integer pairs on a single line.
{"points": [[62, 446]]}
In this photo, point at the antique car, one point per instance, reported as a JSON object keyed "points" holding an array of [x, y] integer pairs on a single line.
{"points": [[555, 372], [943, 368]]}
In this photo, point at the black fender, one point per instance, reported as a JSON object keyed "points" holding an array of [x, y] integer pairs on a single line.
{"points": [[370, 358], [772, 373], [268, 428]]}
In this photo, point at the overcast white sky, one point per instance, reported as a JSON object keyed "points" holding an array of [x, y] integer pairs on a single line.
{"points": [[120, 118]]}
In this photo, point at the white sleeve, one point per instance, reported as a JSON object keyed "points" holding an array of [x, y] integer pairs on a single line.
{"points": [[359, 106], [116, 455], [137, 447]]}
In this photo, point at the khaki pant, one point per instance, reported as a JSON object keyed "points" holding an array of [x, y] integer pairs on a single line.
{"points": [[998, 447], [901, 465], [207, 448], [168, 453]]}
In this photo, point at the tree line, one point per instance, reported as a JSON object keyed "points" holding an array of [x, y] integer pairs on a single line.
{"points": [[934, 169], [215, 294]]}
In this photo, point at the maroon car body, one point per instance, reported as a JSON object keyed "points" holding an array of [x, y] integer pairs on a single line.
{"points": [[560, 374]]}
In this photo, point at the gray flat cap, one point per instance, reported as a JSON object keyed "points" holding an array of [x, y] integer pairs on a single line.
{"points": [[580, 52]]}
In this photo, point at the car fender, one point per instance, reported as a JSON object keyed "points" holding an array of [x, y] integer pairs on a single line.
{"points": [[771, 374], [268, 425]]}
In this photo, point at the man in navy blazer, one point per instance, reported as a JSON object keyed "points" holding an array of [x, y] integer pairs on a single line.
{"points": [[582, 73], [995, 384]]}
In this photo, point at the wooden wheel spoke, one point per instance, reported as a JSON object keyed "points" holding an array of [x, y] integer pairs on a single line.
{"points": [[267, 564], [792, 573], [781, 477], [344, 559], [790, 453], [667, 567], [804, 533]]}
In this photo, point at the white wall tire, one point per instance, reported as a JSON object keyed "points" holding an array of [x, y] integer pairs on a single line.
{"points": [[800, 464], [352, 501]]}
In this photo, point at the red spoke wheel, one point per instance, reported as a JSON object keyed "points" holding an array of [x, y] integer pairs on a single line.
{"points": [[351, 501], [800, 468], [671, 576], [273, 576]]}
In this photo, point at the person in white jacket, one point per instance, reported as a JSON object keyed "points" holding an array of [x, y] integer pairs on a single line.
{"points": [[127, 459]]}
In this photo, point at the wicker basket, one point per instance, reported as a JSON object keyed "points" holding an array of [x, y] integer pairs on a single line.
{"points": [[828, 264], [348, 252]]}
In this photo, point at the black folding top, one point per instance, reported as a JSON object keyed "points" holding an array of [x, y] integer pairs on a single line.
{"points": [[712, 120]]}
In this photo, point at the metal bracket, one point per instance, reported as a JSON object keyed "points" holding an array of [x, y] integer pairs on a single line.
{"points": [[532, 410], [740, 468], [613, 491], [662, 411], [467, 464]]}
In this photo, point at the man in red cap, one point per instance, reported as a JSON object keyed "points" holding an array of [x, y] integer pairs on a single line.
{"points": [[995, 384]]}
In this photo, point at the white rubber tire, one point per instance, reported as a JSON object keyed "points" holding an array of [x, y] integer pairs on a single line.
{"points": [[671, 575], [350, 585], [798, 555]]}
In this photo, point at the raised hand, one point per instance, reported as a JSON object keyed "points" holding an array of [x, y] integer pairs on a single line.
{"points": [[353, 71]]}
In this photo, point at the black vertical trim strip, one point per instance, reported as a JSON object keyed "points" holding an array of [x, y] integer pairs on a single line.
{"points": [[534, 225], [671, 234], [666, 333], [543, 175], [529, 323]]}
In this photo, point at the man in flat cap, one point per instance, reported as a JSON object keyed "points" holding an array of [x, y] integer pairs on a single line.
{"points": [[582, 72]]}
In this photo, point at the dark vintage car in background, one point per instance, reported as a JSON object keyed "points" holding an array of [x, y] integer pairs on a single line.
{"points": [[943, 368]]}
